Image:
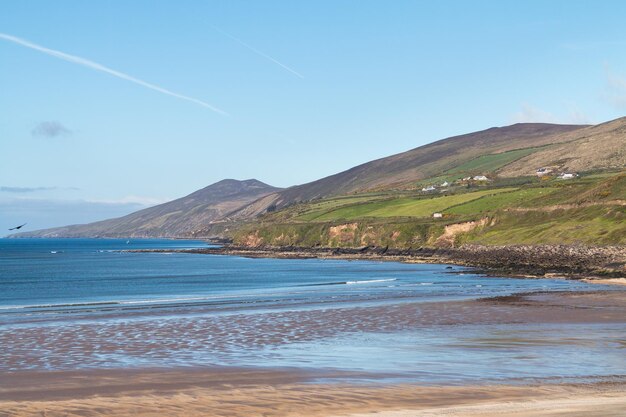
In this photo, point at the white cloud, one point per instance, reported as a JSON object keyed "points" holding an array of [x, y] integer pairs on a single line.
{"points": [[532, 114], [132, 199], [10, 189], [615, 92], [578, 117]]}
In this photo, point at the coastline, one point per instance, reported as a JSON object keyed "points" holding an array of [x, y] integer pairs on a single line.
{"points": [[238, 391], [593, 264], [524, 324]]}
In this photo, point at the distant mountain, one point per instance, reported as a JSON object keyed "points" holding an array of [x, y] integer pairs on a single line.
{"points": [[510, 151], [403, 169], [177, 218]]}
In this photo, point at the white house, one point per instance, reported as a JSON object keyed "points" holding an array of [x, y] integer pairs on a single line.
{"points": [[543, 171], [444, 184], [480, 178], [567, 176], [437, 215], [429, 188]]}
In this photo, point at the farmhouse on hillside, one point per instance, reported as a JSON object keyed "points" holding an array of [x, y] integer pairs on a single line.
{"points": [[567, 176]]}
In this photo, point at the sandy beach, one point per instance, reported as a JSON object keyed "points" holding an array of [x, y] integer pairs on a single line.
{"points": [[232, 391], [235, 208], [235, 393], [607, 281]]}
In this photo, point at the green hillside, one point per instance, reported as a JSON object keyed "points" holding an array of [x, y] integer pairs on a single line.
{"points": [[590, 209], [490, 163], [383, 201], [402, 207]]}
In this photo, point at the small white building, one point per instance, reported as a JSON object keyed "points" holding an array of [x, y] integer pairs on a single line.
{"points": [[567, 176], [445, 184], [480, 178], [429, 188], [437, 215], [543, 171]]}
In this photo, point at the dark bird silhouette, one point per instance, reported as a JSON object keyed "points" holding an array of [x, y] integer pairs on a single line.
{"points": [[18, 227]]}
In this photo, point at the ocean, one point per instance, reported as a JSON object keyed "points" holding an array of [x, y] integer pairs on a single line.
{"points": [[90, 304]]}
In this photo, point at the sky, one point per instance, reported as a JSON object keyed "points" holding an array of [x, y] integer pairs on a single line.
{"points": [[107, 107]]}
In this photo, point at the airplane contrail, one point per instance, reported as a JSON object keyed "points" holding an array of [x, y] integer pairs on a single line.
{"points": [[99, 67], [256, 51]]}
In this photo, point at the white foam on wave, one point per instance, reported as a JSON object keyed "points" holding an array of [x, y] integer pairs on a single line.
{"points": [[169, 300], [147, 301], [43, 306], [369, 281]]}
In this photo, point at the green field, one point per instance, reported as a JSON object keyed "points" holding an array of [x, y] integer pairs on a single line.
{"points": [[586, 210], [404, 207], [493, 202], [491, 163], [315, 209], [596, 225]]}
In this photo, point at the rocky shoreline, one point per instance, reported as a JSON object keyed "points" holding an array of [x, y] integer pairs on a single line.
{"points": [[576, 262]]}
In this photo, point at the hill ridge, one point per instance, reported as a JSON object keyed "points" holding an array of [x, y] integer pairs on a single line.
{"points": [[177, 218], [511, 151]]}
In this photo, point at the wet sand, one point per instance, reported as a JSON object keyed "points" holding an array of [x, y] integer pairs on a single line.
{"points": [[607, 281], [233, 393], [85, 343], [230, 391]]}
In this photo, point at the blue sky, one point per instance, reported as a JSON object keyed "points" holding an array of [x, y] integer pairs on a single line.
{"points": [[310, 88]]}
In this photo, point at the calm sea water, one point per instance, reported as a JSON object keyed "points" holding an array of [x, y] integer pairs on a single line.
{"points": [[86, 303]]}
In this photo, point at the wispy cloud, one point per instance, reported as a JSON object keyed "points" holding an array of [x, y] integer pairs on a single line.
{"points": [[132, 199], [99, 67], [260, 53], [50, 129], [25, 189], [615, 92], [532, 114], [22, 190]]}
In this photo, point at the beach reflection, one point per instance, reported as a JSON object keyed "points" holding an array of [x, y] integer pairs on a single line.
{"points": [[437, 342]]}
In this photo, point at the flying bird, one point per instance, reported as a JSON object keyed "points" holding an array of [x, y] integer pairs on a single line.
{"points": [[18, 227]]}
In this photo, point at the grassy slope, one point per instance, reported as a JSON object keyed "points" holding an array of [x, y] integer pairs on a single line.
{"points": [[598, 225], [589, 210], [403, 170], [510, 152], [405, 207], [519, 207], [601, 146], [492, 162], [493, 202]]}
